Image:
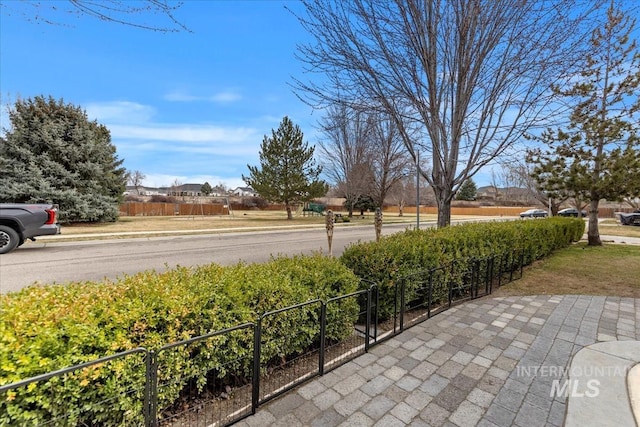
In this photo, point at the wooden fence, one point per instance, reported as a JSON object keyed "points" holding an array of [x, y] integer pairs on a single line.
{"points": [[171, 209], [203, 209], [603, 212], [481, 211]]}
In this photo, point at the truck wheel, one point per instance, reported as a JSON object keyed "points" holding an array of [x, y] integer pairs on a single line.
{"points": [[8, 239]]}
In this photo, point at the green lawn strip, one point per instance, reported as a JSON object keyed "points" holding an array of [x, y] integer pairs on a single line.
{"points": [[611, 269]]}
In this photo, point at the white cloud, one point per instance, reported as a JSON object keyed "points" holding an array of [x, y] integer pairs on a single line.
{"points": [[187, 152], [221, 97], [119, 112], [226, 97], [179, 96], [183, 133]]}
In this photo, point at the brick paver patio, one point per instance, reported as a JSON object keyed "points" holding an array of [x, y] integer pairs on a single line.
{"points": [[488, 362]]}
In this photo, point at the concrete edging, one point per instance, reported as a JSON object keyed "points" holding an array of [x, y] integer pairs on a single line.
{"points": [[602, 381]]}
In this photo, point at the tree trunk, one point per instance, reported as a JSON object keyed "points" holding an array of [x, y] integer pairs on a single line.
{"points": [[289, 214], [443, 199], [593, 233], [444, 214]]}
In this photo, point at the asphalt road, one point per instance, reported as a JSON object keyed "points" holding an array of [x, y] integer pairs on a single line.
{"points": [[95, 260]]}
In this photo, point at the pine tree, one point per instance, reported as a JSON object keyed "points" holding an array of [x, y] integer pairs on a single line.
{"points": [[598, 155], [53, 154], [206, 189], [467, 190], [287, 173]]}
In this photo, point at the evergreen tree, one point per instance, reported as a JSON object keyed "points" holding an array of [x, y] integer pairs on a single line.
{"points": [[362, 203], [206, 189], [53, 154], [467, 190], [287, 173], [598, 155]]}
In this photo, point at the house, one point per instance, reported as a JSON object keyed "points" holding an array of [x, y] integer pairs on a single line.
{"points": [[244, 192], [487, 193], [185, 190], [182, 190], [506, 194], [143, 191]]}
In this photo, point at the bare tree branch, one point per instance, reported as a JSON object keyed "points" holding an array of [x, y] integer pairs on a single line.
{"points": [[474, 76], [132, 13]]}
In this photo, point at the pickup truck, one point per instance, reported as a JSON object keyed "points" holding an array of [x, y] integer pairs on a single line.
{"points": [[632, 218], [19, 222]]}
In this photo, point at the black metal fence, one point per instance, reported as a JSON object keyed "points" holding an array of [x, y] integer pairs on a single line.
{"points": [[184, 384]]}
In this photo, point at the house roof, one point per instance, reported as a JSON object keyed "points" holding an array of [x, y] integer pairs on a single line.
{"points": [[190, 187]]}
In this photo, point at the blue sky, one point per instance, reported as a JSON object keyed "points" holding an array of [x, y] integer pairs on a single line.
{"points": [[188, 106], [191, 107]]}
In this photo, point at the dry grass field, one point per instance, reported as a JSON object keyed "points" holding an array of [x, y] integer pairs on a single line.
{"points": [[247, 220], [244, 220]]}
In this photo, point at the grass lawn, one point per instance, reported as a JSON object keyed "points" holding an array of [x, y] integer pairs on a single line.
{"points": [[612, 228], [610, 269]]}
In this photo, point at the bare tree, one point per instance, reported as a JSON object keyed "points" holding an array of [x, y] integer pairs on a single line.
{"points": [[363, 153], [506, 182], [390, 161], [174, 190], [403, 192], [545, 194], [495, 183], [474, 75], [344, 152], [135, 179], [132, 13]]}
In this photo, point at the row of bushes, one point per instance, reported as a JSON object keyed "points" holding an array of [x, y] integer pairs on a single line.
{"points": [[46, 328], [392, 257], [51, 327]]}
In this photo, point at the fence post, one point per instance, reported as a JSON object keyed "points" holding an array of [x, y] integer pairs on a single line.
{"points": [[255, 381], [368, 321], [451, 283], [491, 273], [402, 302], [475, 278], [151, 390], [375, 323], [430, 294], [511, 267], [395, 306], [323, 331]]}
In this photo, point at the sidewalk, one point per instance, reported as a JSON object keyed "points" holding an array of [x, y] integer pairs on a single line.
{"points": [[488, 362]]}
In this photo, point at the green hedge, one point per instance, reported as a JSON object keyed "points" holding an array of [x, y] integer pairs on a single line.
{"points": [[43, 329], [401, 254], [46, 328]]}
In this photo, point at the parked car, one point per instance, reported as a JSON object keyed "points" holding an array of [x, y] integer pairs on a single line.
{"points": [[19, 222], [572, 212], [632, 218], [534, 213]]}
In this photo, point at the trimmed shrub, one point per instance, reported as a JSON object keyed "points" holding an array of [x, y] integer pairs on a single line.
{"points": [[46, 328], [398, 255]]}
